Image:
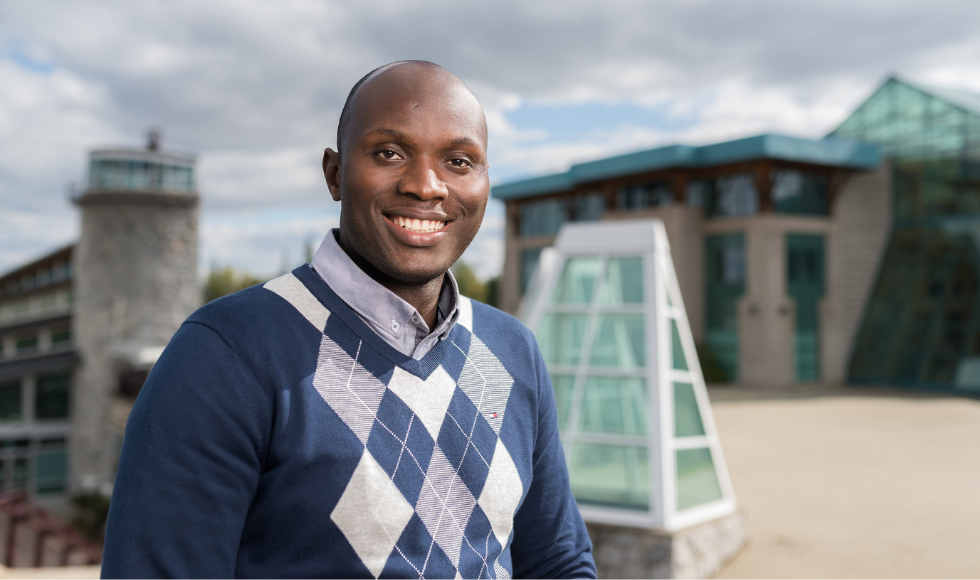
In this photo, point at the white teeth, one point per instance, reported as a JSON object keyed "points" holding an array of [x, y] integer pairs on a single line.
{"points": [[421, 226]]}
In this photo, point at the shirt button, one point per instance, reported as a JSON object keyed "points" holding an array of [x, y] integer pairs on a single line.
{"points": [[415, 318], [394, 325]]}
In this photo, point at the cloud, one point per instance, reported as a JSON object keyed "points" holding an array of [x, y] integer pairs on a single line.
{"points": [[255, 87]]}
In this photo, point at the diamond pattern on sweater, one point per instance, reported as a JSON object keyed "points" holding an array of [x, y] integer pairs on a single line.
{"points": [[428, 399], [486, 382], [445, 505], [501, 493], [432, 454], [293, 291], [352, 392], [371, 513]]}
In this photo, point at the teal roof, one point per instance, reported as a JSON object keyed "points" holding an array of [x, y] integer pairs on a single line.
{"points": [[831, 152], [967, 100]]}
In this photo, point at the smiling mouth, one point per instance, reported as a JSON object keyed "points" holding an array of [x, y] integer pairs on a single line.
{"points": [[416, 225]]}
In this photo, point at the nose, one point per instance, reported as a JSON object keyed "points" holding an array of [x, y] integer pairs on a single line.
{"points": [[421, 179]]}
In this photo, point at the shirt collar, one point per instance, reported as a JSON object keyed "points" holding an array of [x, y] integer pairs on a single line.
{"points": [[382, 308]]}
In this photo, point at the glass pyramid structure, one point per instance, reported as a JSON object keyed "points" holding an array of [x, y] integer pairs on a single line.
{"points": [[921, 326], [633, 411]]}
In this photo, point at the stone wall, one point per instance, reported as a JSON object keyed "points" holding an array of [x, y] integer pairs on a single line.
{"points": [[135, 283], [697, 552]]}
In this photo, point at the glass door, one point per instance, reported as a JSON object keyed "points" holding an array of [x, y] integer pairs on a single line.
{"points": [[725, 284], [805, 285]]}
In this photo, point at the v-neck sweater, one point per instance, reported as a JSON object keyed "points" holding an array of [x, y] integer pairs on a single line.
{"points": [[279, 436]]}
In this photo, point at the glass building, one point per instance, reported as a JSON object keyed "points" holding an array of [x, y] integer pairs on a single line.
{"points": [[853, 258], [633, 412], [922, 324], [760, 228]]}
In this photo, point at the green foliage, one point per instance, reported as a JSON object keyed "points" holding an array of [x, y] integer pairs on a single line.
{"points": [[469, 285], [711, 367], [224, 281], [91, 512], [493, 291]]}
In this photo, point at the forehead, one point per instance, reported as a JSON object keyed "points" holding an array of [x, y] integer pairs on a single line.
{"points": [[424, 100]]}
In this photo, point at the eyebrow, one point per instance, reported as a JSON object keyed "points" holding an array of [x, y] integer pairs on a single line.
{"points": [[464, 141], [399, 136], [393, 133]]}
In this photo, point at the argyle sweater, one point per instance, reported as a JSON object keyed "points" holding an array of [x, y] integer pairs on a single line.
{"points": [[278, 436]]}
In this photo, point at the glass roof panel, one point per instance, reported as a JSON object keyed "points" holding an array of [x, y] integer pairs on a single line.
{"points": [[687, 418], [623, 283], [619, 342], [614, 405], [577, 281], [563, 386], [697, 482], [611, 475], [676, 348], [560, 338], [601, 330]]}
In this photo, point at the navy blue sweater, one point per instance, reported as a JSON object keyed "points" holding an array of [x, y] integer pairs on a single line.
{"points": [[278, 436]]}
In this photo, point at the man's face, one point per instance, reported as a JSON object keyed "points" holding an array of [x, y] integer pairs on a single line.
{"points": [[413, 177]]}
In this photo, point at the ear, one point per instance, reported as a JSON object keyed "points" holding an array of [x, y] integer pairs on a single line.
{"points": [[331, 172]]}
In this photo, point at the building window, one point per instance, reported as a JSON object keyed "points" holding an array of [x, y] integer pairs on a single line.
{"points": [[529, 263], [37, 466], [61, 336], [697, 193], [51, 469], [733, 196], [129, 174], [796, 192], [43, 277], [26, 343], [589, 207], [10, 401], [644, 196], [51, 396], [59, 272], [543, 218], [13, 463]]}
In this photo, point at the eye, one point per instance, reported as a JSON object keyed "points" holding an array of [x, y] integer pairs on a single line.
{"points": [[386, 154], [460, 162]]}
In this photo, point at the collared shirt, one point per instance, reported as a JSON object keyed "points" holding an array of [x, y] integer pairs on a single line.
{"points": [[390, 317]]}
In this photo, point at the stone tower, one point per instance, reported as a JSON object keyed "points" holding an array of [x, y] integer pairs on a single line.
{"points": [[136, 281]]}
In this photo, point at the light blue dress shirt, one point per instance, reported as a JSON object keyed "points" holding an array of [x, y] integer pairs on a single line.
{"points": [[390, 317]]}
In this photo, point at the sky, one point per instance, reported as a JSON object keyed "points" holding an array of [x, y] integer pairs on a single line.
{"points": [[254, 88]]}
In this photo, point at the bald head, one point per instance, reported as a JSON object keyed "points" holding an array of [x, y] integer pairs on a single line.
{"points": [[404, 74], [411, 175]]}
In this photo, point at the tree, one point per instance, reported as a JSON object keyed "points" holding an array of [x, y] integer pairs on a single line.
{"points": [[493, 291], [469, 285], [227, 280]]}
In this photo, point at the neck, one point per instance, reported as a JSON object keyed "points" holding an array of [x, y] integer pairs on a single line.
{"points": [[423, 296]]}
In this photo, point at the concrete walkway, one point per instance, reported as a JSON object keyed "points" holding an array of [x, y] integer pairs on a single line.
{"points": [[852, 483]]}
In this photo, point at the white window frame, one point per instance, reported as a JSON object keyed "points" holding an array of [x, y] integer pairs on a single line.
{"points": [[646, 238]]}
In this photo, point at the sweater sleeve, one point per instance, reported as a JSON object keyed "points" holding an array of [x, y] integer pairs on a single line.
{"points": [[190, 464], [550, 539]]}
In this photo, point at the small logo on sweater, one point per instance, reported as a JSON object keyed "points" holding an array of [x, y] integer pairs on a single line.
{"points": [[493, 415]]}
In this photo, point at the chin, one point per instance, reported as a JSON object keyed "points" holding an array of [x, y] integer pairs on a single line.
{"points": [[416, 275]]}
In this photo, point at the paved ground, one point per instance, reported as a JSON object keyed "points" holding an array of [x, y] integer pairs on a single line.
{"points": [[853, 483]]}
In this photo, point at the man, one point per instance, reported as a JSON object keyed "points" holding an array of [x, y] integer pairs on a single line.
{"points": [[357, 417]]}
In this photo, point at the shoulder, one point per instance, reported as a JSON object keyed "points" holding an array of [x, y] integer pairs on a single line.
{"points": [[504, 336], [263, 312], [486, 321]]}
